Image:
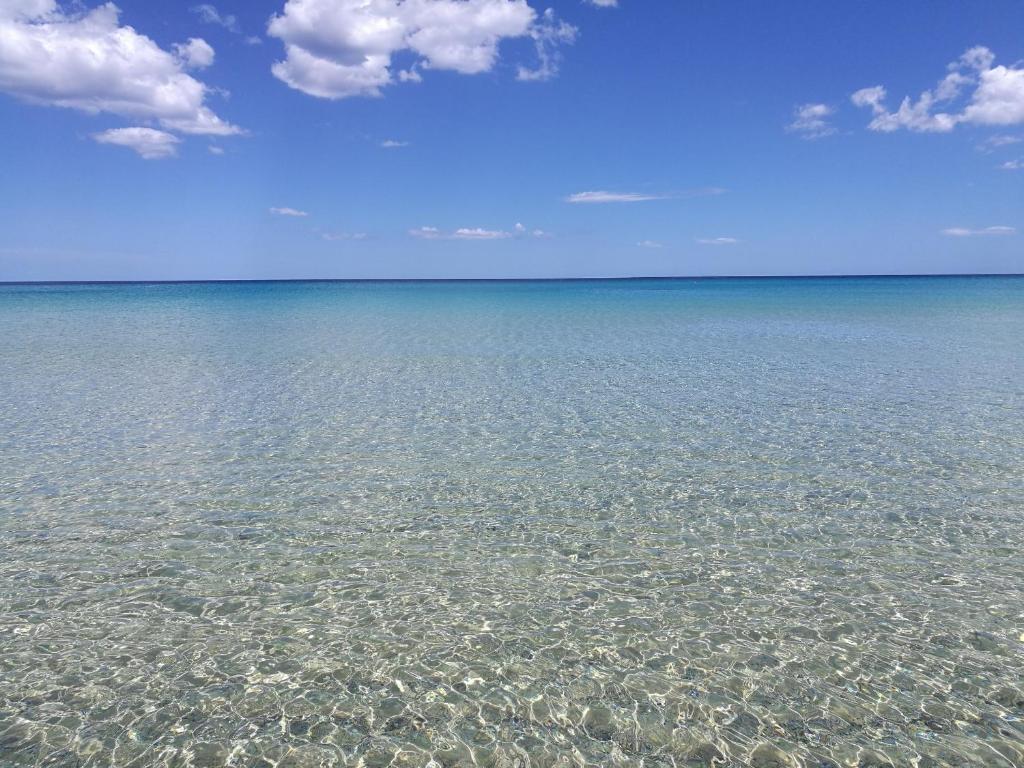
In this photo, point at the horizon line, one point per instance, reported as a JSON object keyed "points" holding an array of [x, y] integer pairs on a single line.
{"points": [[201, 281]]}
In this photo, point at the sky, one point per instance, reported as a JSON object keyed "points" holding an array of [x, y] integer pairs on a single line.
{"points": [[147, 140]]}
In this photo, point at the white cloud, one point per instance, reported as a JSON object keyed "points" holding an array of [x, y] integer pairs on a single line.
{"points": [[548, 34], [208, 14], [993, 143], [335, 49], [427, 233], [150, 143], [88, 61], [717, 240], [915, 116], [195, 54], [393, 144], [463, 233], [338, 236], [1013, 165], [603, 3], [964, 232], [811, 121], [288, 212], [650, 244], [602, 196], [997, 98], [520, 230], [476, 233], [870, 97], [26, 9], [215, 150]]}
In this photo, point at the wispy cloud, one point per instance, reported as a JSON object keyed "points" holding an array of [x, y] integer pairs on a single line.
{"points": [[602, 196], [463, 233], [965, 232], [288, 212], [548, 33], [519, 231], [603, 3], [149, 143], [341, 236], [650, 244], [208, 14], [476, 233], [215, 150], [1013, 165], [810, 121], [993, 143], [393, 144], [717, 240]]}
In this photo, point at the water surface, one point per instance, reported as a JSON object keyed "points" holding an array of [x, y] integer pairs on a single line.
{"points": [[633, 523]]}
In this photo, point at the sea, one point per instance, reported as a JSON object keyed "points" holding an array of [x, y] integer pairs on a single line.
{"points": [[775, 523]]}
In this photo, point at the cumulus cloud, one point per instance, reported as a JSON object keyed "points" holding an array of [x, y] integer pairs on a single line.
{"points": [[336, 49], [149, 143], [26, 9], [603, 196], [89, 62], [548, 35], [463, 233], [393, 144], [1013, 165], [717, 240], [964, 232], [288, 212], [996, 98], [810, 121], [195, 54]]}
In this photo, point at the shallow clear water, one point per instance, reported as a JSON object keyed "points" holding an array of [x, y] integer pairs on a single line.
{"points": [[637, 523]]}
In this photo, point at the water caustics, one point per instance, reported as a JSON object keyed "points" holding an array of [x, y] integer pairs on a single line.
{"points": [[637, 523]]}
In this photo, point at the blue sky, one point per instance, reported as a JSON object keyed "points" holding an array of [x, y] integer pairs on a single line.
{"points": [[647, 137]]}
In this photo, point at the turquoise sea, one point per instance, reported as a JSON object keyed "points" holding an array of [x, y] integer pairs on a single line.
{"points": [[766, 522]]}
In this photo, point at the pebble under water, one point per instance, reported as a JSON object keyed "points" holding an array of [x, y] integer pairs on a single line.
{"points": [[769, 523]]}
